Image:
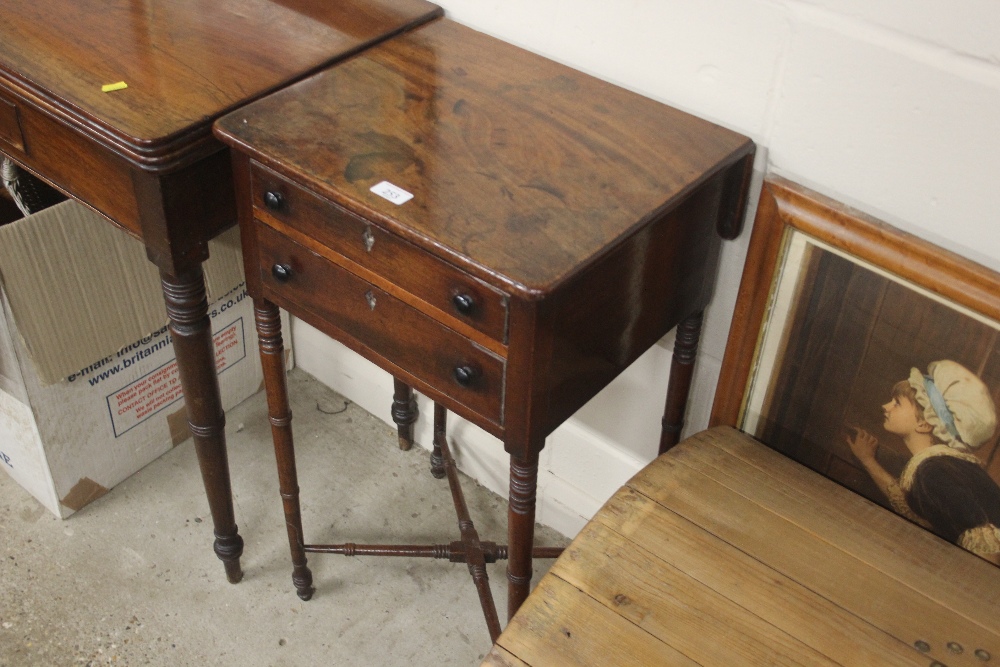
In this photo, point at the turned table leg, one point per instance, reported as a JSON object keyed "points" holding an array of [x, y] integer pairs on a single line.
{"points": [[272, 359], [187, 308], [520, 529], [437, 458], [404, 412], [681, 371]]}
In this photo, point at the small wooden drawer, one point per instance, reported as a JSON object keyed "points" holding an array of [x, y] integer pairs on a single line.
{"points": [[380, 326], [428, 278], [11, 134], [58, 152]]}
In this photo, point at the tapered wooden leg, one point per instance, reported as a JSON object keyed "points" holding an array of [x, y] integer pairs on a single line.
{"points": [[520, 529], [272, 358], [404, 412], [440, 428], [187, 308], [681, 371]]}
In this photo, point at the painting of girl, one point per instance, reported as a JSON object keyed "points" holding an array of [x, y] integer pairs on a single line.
{"points": [[942, 417], [851, 337]]}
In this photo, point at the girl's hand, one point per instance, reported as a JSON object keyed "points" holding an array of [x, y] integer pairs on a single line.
{"points": [[863, 444]]}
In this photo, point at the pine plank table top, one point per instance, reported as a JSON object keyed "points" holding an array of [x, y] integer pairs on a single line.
{"points": [[723, 552]]}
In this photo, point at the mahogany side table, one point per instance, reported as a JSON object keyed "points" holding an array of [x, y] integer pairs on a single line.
{"points": [[503, 233], [144, 156]]}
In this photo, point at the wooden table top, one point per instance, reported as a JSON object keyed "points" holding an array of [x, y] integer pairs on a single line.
{"points": [[723, 552], [520, 168], [185, 61]]}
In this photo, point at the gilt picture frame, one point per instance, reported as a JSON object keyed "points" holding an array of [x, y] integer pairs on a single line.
{"points": [[839, 319]]}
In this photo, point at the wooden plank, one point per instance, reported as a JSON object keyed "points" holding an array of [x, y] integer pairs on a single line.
{"points": [[782, 602], [561, 625], [680, 611], [809, 559], [499, 657], [957, 579]]}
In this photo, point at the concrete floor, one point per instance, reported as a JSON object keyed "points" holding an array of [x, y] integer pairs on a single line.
{"points": [[131, 579]]}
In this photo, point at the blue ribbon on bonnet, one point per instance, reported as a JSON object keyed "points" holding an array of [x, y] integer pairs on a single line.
{"points": [[941, 407]]}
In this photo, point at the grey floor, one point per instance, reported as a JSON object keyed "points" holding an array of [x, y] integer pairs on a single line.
{"points": [[131, 579]]}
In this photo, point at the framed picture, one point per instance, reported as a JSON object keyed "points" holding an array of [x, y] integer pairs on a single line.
{"points": [[872, 357]]}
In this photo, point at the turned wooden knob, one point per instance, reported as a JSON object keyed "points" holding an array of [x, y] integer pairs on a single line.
{"points": [[273, 200], [281, 272], [463, 303], [464, 375]]}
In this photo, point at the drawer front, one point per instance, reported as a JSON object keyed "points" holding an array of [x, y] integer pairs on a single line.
{"points": [[379, 325], [430, 279], [11, 134], [67, 159]]}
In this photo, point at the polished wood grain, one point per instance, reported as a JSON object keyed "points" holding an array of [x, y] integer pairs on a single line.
{"points": [[368, 250], [582, 221], [543, 182], [496, 144], [724, 552], [376, 324], [185, 62], [144, 156]]}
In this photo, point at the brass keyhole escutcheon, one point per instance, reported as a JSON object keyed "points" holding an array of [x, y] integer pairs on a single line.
{"points": [[370, 298], [368, 238]]}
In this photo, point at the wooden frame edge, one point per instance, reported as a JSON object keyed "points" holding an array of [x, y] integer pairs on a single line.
{"points": [[786, 205]]}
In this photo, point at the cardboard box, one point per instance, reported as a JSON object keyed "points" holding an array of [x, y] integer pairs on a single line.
{"points": [[89, 389]]}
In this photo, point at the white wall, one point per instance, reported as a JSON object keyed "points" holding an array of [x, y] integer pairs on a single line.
{"points": [[892, 106]]}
